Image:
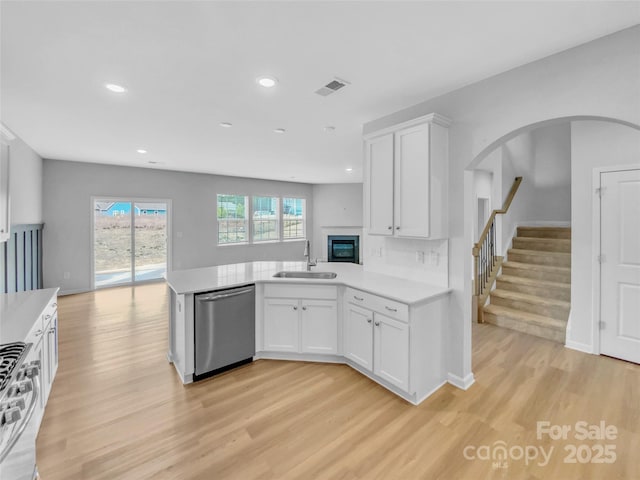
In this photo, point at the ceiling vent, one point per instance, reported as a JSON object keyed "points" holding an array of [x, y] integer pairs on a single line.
{"points": [[331, 87]]}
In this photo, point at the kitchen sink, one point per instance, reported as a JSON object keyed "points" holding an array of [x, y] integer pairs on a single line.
{"points": [[320, 275]]}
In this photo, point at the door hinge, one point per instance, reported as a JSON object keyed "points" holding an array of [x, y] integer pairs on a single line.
{"points": [[602, 258], [602, 325]]}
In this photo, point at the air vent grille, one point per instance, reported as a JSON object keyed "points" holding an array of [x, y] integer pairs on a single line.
{"points": [[331, 87]]}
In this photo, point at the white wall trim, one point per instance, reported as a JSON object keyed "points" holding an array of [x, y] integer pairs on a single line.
{"points": [[435, 118], [544, 223], [580, 347], [421, 399], [459, 382], [62, 293], [299, 357]]}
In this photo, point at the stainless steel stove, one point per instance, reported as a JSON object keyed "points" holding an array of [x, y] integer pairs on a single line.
{"points": [[19, 391]]}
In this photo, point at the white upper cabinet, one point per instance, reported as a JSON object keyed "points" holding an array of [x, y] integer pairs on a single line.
{"points": [[405, 179], [379, 188]]}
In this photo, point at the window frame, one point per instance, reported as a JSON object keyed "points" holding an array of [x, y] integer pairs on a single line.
{"points": [[304, 220], [278, 220], [249, 222], [247, 208]]}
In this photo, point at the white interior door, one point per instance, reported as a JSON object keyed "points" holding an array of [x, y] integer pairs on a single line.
{"points": [[620, 271]]}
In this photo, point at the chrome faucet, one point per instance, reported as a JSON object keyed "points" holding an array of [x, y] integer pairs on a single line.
{"points": [[307, 255]]}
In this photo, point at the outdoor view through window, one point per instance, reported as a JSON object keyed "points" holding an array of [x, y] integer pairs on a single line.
{"points": [[272, 219]]}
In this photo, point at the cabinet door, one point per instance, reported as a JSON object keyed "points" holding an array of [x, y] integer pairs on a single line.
{"points": [[358, 336], [4, 192], [412, 188], [51, 335], [379, 185], [281, 325], [319, 326], [391, 350], [38, 353]]}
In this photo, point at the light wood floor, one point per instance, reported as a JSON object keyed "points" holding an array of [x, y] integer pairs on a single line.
{"points": [[118, 411]]}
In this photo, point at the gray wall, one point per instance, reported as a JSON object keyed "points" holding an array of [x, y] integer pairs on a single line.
{"points": [[25, 186], [69, 186]]}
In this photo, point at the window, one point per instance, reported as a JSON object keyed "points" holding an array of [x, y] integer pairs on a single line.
{"points": [[293, 218], [265, 219], [232, 218]]}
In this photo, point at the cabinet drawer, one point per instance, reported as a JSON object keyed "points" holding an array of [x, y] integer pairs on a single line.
{"points": [[390, 308], [37, 331], [49, 311], [293, 290]]}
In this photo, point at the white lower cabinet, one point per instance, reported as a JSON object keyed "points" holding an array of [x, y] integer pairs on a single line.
{"points": [[319, 326], [281, 322], [398, 345], [358, 336], [44, 339], [378, 343], [391, 350], [301, 324]]}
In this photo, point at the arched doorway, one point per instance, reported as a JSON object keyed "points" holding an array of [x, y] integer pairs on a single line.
{"points": [[582, 333]]}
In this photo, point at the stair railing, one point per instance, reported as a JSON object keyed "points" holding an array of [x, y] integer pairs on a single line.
{"points": [[485, 261]]}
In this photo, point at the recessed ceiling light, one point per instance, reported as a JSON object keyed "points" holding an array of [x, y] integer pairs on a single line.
{"points": [[141, 150], [267, 82], [329, 128], [112, 87], [279, 130], [226, 124], [349, 169]]}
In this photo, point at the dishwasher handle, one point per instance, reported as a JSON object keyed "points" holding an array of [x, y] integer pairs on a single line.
{"points": [[219, 296]]}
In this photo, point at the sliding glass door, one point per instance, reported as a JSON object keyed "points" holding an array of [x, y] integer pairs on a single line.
{"points": [[129, 241]]}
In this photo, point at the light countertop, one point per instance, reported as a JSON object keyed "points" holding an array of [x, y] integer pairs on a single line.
{"points": [[19, 311], [224, 276]]}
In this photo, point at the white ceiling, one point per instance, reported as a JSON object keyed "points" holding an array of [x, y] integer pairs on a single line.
{"points": [[190, 65]]}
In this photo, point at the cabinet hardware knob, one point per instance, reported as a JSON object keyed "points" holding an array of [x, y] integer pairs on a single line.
{"points": [[368, 320], [389, 228], [391, 309], [304, 308], [397, 228], [377, 324], [52, 330], [358, 298], [295, 308]]}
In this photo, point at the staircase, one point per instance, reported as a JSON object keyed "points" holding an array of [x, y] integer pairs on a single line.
{"points": [[533, 292]]}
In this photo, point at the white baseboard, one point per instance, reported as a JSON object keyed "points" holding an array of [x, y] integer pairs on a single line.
{"points": [[299, 357], [545, 223], [580, 347], [62, 293], [459, 382], [428, 394]]}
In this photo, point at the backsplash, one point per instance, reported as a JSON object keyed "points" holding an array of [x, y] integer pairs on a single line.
{"points": [[414, 259]]}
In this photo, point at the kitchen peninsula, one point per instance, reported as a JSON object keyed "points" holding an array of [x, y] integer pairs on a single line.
{"points": [[388, 328]]}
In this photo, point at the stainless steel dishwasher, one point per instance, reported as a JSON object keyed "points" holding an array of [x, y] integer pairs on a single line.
{"points": [[225, 330]]}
